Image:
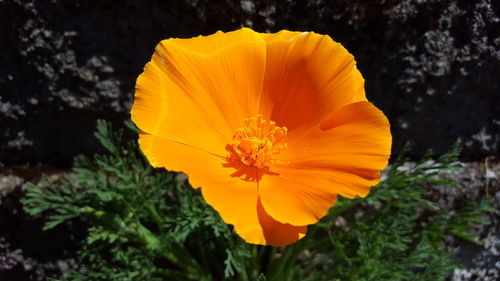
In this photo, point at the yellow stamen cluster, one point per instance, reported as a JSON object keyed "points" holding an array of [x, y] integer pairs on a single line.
{"points": [[258, 141]]}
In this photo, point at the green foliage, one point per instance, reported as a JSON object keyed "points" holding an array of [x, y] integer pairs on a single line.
{"points": [[143, 223], [396, 233], [146, 224]]}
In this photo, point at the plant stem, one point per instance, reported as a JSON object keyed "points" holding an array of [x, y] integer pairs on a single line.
{"points": [[155, 216]]}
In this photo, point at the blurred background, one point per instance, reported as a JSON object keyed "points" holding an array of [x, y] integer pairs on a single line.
{"points": [[432, 66]]}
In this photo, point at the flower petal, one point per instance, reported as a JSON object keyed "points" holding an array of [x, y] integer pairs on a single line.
{"points": [[201, 86], [307, 77], [295, 197], [341, 156], [276, 233], [200, 166], [238, 204], [234, 199], [356, 136]]}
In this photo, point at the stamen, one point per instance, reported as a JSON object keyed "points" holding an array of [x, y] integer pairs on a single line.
{"points": [[256, 143]]}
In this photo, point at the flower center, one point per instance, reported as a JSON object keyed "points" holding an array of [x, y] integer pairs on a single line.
{"points": [[257, 142]]}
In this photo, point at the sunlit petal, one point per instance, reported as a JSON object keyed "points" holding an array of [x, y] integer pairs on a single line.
{"points": [[272, 127], [183, 91]]}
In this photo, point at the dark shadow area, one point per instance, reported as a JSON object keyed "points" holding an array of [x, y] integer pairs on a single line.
{"points": [[26, 251]]}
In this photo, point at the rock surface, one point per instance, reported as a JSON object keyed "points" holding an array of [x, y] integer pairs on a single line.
{"points": [[431, 65], [475, 181], [26, 251]]}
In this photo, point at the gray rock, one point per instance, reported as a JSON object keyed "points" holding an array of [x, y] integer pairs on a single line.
{"points": [[22, 255], [431, 65], [475, 181]]}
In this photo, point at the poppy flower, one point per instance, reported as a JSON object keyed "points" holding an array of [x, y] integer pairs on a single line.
{"points": [[272, 127]]}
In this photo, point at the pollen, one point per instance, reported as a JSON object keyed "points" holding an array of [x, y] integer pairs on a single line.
{"points": [[258, 142]]}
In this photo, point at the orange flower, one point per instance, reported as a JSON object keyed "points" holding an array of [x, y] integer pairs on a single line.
{"points": [[270, 126]]}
